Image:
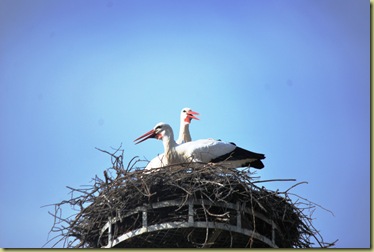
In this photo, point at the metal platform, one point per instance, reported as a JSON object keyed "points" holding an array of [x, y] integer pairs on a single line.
{"points": [[187, 224]]}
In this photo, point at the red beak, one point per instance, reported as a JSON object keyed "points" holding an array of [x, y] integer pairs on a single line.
{"points": [[190, 115], [149, 134]]}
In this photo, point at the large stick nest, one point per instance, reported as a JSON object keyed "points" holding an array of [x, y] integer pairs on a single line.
{"points": [[124, 189]]}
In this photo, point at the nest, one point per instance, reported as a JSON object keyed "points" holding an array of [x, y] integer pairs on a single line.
{"points": [[185, 205]]}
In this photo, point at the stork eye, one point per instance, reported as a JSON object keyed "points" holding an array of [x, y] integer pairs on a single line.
{"points": [[184, 111]]}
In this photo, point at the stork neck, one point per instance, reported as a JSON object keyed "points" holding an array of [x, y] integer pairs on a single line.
{"points": [[168, 142], [184, 133]]}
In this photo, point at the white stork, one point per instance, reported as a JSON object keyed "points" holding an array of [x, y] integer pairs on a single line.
{"points": [[205, 150], [186, 117]]}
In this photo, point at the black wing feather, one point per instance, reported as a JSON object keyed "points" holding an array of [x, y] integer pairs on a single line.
{"points": [[239, 154]]}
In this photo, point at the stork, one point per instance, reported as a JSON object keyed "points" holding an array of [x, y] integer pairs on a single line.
{"points": [[186, 117], [204, 150]]}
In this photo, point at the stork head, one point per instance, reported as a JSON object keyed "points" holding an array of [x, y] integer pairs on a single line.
{"points": [[159, 131], [187, 115]]}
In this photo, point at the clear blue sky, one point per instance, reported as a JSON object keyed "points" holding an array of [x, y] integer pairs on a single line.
{"points": [[286, 78]]}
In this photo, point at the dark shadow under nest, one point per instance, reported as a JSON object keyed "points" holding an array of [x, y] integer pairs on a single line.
{"points": [[187, 206]]}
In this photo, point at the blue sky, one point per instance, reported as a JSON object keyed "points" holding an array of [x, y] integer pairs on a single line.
{"points": [[290, 79]]}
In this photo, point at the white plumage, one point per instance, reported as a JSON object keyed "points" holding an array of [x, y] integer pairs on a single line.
{"points": [[185, 119]]}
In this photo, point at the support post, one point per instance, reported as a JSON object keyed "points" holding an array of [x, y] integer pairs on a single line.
{"points": [[190, 212], [238, 215], [110, 230], [144, 218]]}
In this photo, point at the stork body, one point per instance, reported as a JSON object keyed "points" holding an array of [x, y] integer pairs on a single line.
{"points": [[205, 150]]}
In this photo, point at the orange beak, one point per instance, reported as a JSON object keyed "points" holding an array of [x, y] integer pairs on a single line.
{"points": [[149, 134], [191, 115]]}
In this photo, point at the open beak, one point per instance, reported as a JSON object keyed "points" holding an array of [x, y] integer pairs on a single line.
{"points": [[190, 115], [149, 134]]}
